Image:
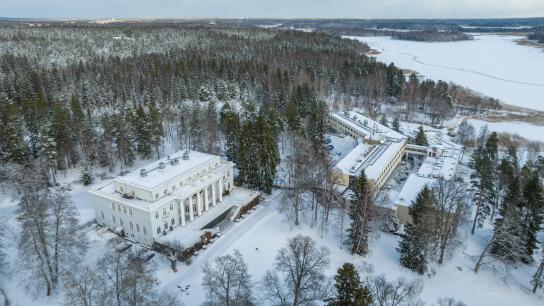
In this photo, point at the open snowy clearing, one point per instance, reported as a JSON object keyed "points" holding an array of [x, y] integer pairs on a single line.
{"points": [[494, 65]]}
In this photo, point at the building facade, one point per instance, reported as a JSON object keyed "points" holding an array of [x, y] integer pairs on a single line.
{"points": [[171, 192], [379, 152]]}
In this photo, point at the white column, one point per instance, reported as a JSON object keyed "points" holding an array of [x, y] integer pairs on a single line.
{"points": [[213, 194], [182, 212], [191, 210], [198, 204], [206, 202], [221, 189]]}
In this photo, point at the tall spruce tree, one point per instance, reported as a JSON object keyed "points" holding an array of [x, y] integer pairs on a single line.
{"points": [[383, 120], [349, 289], [142, 132], [156, 128], [421, 139], [362, 205], [414, 245], [480, 181], [12, 145], [396, 124], [532, 215], [267, 158], [508, 228], [230, 126]]}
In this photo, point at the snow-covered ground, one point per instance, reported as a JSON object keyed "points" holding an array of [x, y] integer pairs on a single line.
{"points": [[264, 232], [494, 65], [526, 130]]}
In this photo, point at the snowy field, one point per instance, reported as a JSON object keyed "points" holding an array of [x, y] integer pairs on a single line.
{"points": [[265, 231], [490, 64], [523, 129]]}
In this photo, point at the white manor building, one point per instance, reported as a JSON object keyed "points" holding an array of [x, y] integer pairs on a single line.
{"points": [[172, 192]]}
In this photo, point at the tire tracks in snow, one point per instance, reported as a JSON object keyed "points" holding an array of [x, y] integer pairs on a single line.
{"points": [[417, 60]]}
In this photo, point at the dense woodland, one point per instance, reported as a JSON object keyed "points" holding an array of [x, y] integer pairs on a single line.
{"points": [[98, 97], [432, 36], [90, 94], [538, 36]]}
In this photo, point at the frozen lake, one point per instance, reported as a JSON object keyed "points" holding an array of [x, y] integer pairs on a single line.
{"points": [[493, 65], [526, 130]]}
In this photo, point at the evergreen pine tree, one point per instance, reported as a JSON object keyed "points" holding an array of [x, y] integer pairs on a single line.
{"points": [[421, 139], [360, 215], [156, 128], [532, 214], [267, 158], [196, 128], [480, 181], [508, 228], [12, 145], [86, 176], [292, 116], [142, 132], [248, 168], [413, 246], [396, 124], [349, 289], [383, 120], [538, 278], [230, 125]]}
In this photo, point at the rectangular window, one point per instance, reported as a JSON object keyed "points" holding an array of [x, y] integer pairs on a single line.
{"points": [[145, 231], [119, 207], [158, 230], [171, 206], [130, 224], [121, 221], [113, 218], [187, 208], [173, 221], [137, 227], [125, 209], [164, 212], [113, 206], [130, 211], [157, 215], [102, 214]]}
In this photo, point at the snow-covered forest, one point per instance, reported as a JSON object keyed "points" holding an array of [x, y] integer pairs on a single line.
{"points": [[81, 103]]}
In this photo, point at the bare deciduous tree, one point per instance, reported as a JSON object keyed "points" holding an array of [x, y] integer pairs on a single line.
{"points": [[397, 293], [300, 280], [50, 237], [228, 281]]}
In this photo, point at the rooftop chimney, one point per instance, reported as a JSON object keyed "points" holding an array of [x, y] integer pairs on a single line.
{"points": [[143, 172], [161, 165], [186, 155]]}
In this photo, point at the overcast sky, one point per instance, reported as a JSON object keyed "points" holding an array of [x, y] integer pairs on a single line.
{"points": [[272, 8]]}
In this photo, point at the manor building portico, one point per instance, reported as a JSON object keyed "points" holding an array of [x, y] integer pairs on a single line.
{"points": [[171, 192]]}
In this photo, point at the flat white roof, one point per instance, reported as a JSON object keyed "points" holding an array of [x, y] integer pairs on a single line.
{"points": [[368, 128], [411, 188], [156, 176]]}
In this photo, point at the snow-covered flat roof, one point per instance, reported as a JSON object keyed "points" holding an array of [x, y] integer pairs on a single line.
{"points": [[375, 156], [372, 158], [445, 163], [368, 128], [156, 176], [411, 188]]}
